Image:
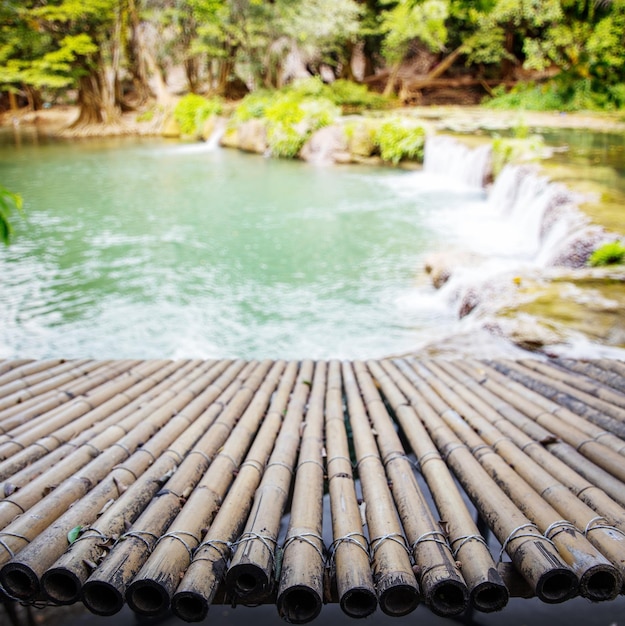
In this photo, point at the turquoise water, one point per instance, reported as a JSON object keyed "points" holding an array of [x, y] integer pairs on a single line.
{"points": [[147, 248]]}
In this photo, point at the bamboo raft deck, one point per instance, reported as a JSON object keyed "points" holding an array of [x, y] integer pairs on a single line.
{"points": [[386, 483]]}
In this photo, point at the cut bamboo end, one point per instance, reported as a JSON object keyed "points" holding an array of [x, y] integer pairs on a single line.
{"points": [[147, 597], [299, 604], [448, 598], [556, 585], [399, 599], [488, 597], [600, 583], [190, 607], [102, 598], [19, 580], [248, 581], [61, 586], [358, 602]]}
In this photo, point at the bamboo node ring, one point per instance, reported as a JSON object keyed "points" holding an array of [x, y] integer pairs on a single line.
{"points": [[281, 464], [94, 448], [466, 539], [202, 454], [176, 535], [265, 540], [366, 457], [149, 453], [305, 538], [514, 536], [595, 524], [139, 534], [314, 461], [428, 456], [339, 457], [173, 452], [433, 535], [377, 542], [559, 526], [37, 443], [6, 547], [348, 538], [123, 447], [452, 448], [224, 552], [253, 463], [92, 533]]}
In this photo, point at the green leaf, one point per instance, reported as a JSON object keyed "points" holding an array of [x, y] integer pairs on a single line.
{"points": [[73, 534]]}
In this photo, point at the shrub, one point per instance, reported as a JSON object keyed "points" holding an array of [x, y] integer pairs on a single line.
{"points": [[611, 253], [399, 139], [193, 110], [291, 119], [349, 94]]}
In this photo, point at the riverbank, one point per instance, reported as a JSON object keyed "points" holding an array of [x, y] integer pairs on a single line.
{"points": [[561, 309]]}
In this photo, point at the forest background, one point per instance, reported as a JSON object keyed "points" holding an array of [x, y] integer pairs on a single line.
{"points": [[110, 56]]}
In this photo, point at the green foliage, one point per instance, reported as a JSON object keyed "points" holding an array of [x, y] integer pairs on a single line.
{"points": [[608, 254], [560, 94], [521, 148], [9, 202], [291, 119], [253, 106], [350, 94], [399, 139], [193, 110], [413, 19]]}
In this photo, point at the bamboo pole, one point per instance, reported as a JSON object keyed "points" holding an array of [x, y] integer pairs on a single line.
{"points": [[21, 573], [34, 374], [103, 593], [595, 403], [537, 561], [90, 455], [153, 587], [505, 400], [596, 498], [442, 585], [115, 421], [300, 591], [18, 409], [487, 590], [539, 391], [14, 368], [593, 369], [197, 589], [250, 575], [350, 547], [78, 432], [62, 582], [572, 429], [31, 562], [548, 503], [16, 439], [392, 569]]}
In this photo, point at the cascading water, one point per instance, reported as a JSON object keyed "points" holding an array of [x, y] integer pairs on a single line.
{"points": [[520, 225]]}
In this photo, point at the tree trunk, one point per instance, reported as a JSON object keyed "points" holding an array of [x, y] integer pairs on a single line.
{"points": [[389, 90], [89, 101], [136, 53]]}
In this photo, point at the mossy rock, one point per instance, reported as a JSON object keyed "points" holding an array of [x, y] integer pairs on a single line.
{"points": [[360, 139], [171, 128]]}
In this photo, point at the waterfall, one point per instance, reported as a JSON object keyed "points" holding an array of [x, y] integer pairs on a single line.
{"points": [[212, 143], [448, 157], [527, 216]]}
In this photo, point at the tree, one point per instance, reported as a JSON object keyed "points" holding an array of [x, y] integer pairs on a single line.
{"points": [[9, 202]]}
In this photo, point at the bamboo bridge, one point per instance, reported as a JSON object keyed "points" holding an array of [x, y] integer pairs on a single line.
{"points": [[385, 483]]}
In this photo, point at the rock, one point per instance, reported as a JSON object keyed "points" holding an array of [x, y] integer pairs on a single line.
{"points": [[441, 265], [576, 250], [253, 136], [360, 142], [525, 331], [327, 145], [170, 128]]}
